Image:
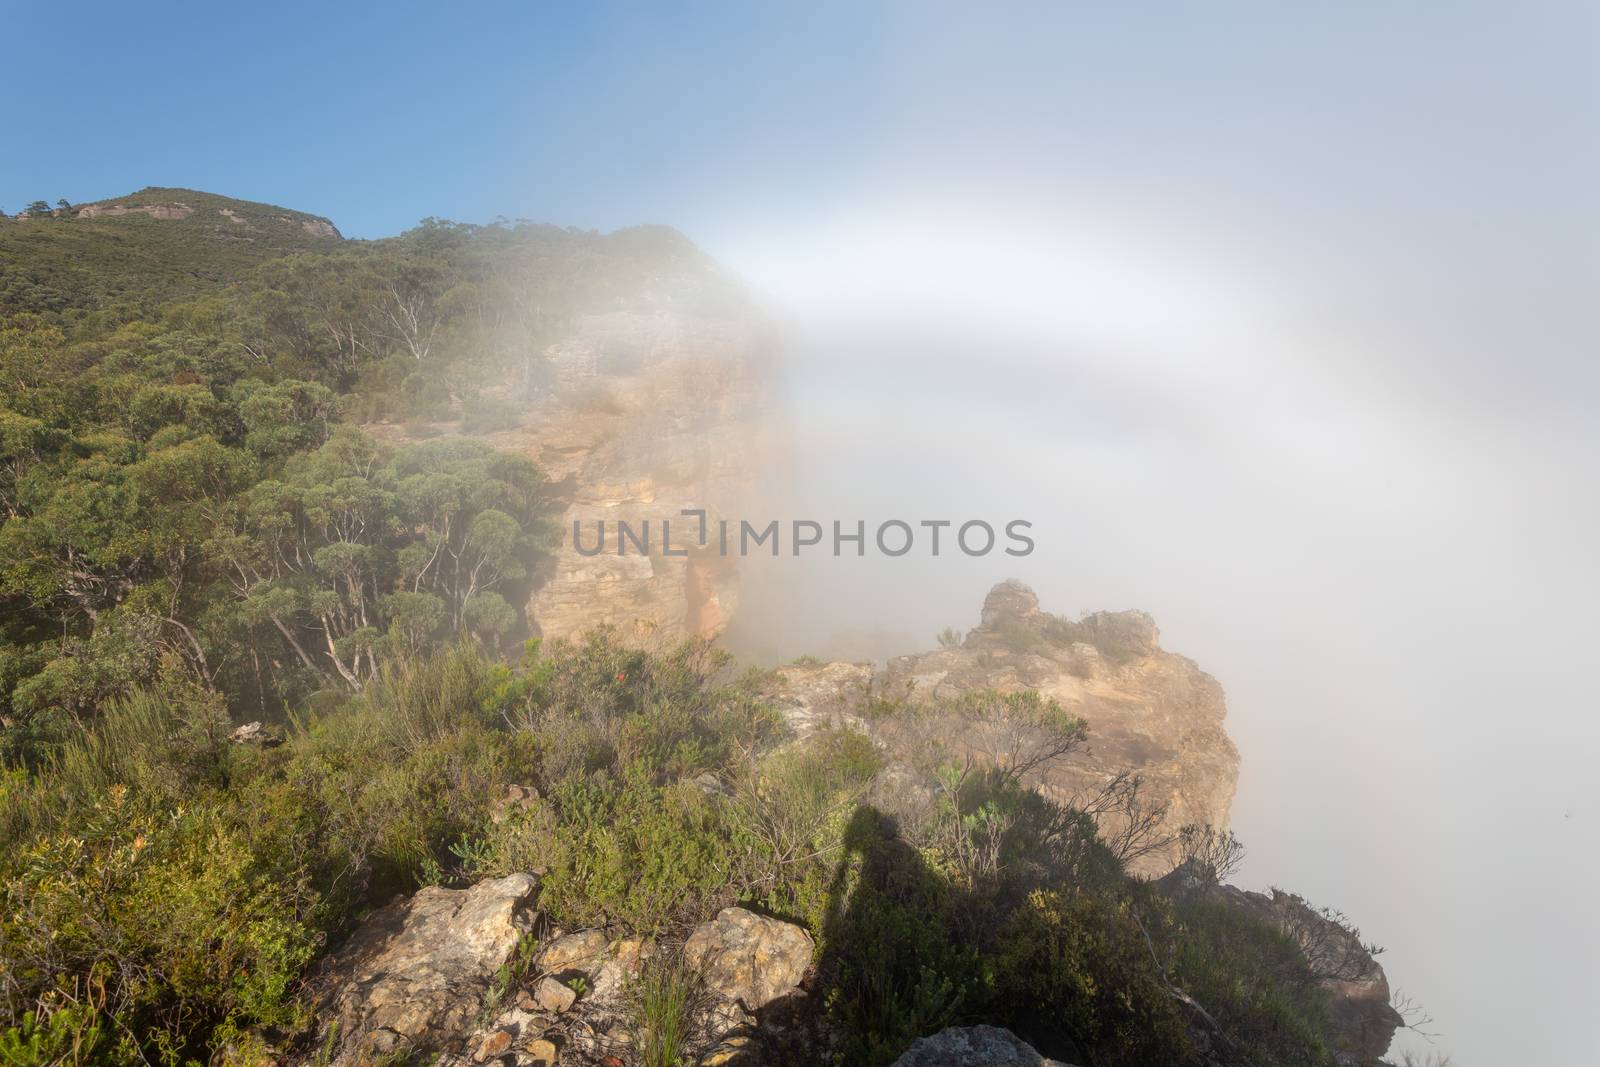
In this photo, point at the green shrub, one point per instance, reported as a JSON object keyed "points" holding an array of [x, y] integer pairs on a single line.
{"points": [[646, 856], [178, 925], [1255, 982], [664, 999], [163, 743], [892, 968], [1079, 963], [70, 1036], [166, 889], [390, 781], [790, 811]]}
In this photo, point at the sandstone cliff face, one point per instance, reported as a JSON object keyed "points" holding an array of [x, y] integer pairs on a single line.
{"points": [[636, 415], [649, 413], [1149, 712]]}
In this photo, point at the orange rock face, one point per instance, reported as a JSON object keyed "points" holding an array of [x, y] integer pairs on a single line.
{"points": [[650, 415]]}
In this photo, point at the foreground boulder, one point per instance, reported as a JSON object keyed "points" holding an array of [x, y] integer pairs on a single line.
{"points": [[413, 978], [973, 1046], [577, 1003], [749, 958]]}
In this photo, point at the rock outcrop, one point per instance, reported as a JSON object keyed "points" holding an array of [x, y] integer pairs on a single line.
{"points": [[168, 212], [1364, 1018], [178, 210], [579, 997], [412, 979], [1150, 712], [749, 958], [440, 974], [973, 1046]]}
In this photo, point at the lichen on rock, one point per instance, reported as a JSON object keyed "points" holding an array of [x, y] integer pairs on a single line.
{"points": [[412, 978]]}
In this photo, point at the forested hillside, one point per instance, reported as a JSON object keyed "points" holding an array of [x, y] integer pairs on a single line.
{"points": [[184, 489], [134, 253]]}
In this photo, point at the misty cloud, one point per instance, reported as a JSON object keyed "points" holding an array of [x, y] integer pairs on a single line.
{"points": [[1294, 357]]}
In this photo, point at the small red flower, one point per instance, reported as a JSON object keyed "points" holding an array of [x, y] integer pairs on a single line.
{"points": [[622, 677]]}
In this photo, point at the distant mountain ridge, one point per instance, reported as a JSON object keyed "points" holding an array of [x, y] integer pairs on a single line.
{"points": [[155, 244], [179, 204]]}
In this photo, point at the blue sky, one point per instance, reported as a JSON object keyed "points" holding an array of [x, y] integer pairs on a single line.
{"points": [[1277, 319], [378, 115]]}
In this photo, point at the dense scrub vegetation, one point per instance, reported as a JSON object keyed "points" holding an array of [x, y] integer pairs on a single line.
{"points": [[166, 889], [181, 477], [51, 260], [194, 530]]}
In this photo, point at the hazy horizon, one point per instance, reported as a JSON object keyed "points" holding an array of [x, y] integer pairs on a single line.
{"points": [[1319, 410]]}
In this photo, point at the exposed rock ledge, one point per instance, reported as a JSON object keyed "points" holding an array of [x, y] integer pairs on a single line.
{"points": [[414, 976], [446, 974], [442, 976], [168, 212], [1150, 712], [178, 210], [648, 414]]}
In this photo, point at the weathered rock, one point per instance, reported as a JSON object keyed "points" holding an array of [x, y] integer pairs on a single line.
{"points": [[553, 996], [412, 978], [973, 1046], [709, 784], [739, 1050], [620, 968], [538, 1053], [749, 958], [811, 694], [581, 952], [517, 1036], [1010, 600], [317, 227], [493, 1045], [166, 212], [178, 211], [245, 733], [588, 1028], [257, 734]]}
